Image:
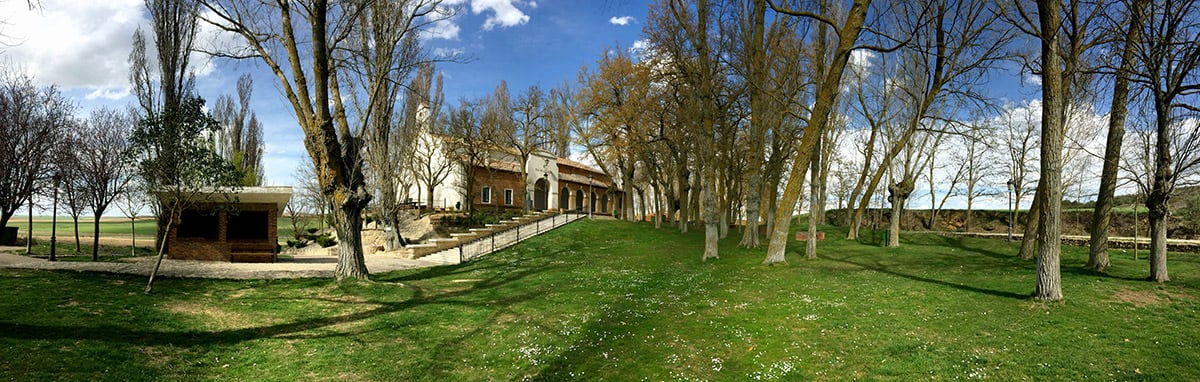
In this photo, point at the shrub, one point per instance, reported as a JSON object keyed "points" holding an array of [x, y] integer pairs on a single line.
{"points": [[325, 241]]}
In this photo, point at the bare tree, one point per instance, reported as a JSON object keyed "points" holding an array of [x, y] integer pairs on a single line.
{"points": [[951, 44], [1118, 110], [429, 164], [684, 32], [72, 188], [1168, 58], [827, 87], [174, 24], [527, 132], [470, 145], [562, 117], [241, 135], [308, 194], [1020, 138], [30, 121], [101, 167], [978, 158], [310, 66], [131, 202]]}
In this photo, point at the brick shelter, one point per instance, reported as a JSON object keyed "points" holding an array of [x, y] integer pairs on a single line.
{"points": [[230, 225]]}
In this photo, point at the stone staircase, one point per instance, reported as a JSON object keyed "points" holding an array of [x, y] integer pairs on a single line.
{"points": [[446, 250]]}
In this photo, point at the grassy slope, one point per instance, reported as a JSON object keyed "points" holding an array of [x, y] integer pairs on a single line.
{"points": [[615, 300]]}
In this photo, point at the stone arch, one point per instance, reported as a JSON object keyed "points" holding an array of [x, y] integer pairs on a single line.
{"points": [[541, 194], [564, 198]]}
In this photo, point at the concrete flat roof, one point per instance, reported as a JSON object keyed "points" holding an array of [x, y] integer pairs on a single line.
{"points": [[278, 195]]}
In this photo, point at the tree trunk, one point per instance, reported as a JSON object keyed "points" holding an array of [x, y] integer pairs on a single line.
{"points": [[133, 237], [894, 223], [1048, 285], [1033, 220], [898, 196], [1101, 215], [814, 200], [96, 238], [683, 212], [711, 231], [777, 243], [658, 210], [754, 158], [162, 251], [1157, 204], [642, 197], [391, 233], [750, 237], [810, 246], [723, 225], [429, 196], [626, 209], [772, 208], [970, 205], [29, 235], [75, 221], [826, 96], [351, 263]]}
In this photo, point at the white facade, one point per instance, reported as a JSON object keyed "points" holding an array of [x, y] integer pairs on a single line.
{"points": [[541, 169]]}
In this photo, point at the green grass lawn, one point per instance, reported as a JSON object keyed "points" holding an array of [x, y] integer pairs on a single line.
{"points": [[65, 251], [609, 300], [144, 228]]}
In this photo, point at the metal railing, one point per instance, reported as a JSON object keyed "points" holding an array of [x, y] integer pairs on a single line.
{"points": [[497, 240]]}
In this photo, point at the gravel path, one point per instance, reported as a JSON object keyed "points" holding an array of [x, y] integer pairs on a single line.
{"points": [[301, 266]]}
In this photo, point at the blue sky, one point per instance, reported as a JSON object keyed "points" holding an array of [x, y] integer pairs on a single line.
{"points": [[82, 46]]}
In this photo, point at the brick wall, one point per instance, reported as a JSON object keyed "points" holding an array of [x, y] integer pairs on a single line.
{"points": [[498, 181], [219, 249]]}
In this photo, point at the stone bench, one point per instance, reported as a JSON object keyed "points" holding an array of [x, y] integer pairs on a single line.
{"points": [[252, 257], [803, 236]]}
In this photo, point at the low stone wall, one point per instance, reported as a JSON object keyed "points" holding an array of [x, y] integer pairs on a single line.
{"points": [[1077, 241]]}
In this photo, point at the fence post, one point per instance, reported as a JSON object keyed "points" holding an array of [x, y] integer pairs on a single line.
{"points": [[493, 237], [460, 253], [537, 227], [518, 232]]}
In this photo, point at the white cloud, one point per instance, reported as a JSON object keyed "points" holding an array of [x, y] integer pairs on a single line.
{"points": [[505, 13], [860, 60], [86, 44], [1031, 78], [639, 46], [447, 52], [623, 20], [441, 29], [73, 44]]}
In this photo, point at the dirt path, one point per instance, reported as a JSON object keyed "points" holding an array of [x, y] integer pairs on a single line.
{"points": [[301, 266]]}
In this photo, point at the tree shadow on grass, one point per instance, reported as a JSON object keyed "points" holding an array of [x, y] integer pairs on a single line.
{"points": [[885, 269], [142, 337], [958, 242]]}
